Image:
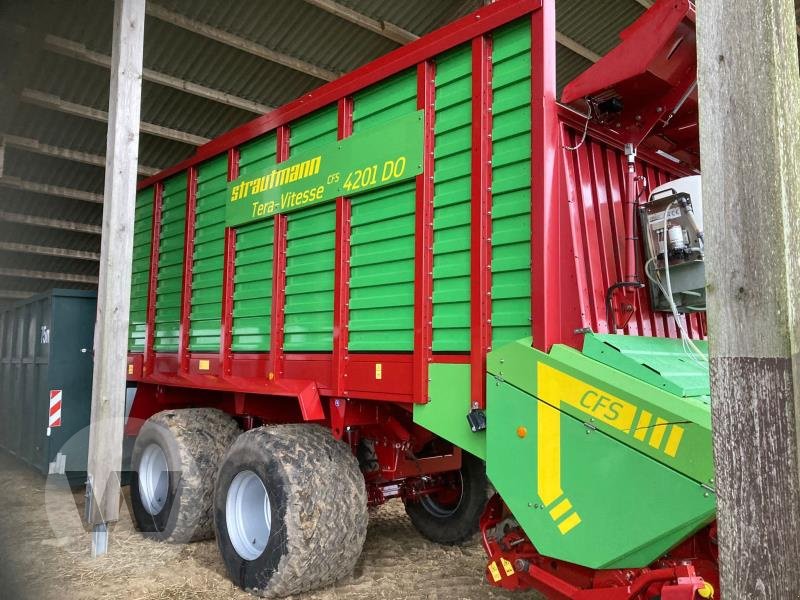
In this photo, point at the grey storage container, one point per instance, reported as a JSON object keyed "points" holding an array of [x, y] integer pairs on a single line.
{"points": [[46, 345]]}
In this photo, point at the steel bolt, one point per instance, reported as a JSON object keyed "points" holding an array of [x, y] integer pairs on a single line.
{"points": [[522, 565]]}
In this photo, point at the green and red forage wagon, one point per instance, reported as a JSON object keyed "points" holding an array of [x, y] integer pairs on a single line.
{"points": [[427, 277]]}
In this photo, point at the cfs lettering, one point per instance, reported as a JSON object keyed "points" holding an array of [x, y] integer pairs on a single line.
{"points": [[333, 178], [602, 406]]}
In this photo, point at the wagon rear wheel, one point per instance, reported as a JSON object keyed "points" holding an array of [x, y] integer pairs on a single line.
{"points": [[290, 510]]}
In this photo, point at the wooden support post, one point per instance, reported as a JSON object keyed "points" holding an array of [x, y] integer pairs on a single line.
{"points": [[750, 116], [113, 297]]}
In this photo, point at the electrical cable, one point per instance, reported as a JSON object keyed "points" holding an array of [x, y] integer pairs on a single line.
{"points": [[673, 307], [585, 130]]}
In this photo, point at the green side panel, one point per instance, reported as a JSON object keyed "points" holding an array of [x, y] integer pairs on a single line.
{"points": [[583, 496], [310, 242], [252, 296], [451, 213], [170, 264], [317, 128], [673, 430], [140, 272], [382, 236], [446, 412], [209, 248], [661, 362], [511, 183]]}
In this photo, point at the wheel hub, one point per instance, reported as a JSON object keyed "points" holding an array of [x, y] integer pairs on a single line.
{"points": [[247, 514], [153, 479]]}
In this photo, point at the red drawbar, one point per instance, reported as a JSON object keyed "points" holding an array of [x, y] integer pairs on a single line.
{"points": [[423, 250], [481, 218]]}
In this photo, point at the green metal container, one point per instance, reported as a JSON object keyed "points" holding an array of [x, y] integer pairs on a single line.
{"points": [[46, 348]]}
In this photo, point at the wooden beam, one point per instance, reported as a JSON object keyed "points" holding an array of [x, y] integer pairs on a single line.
{"points": [[116, 253], [49, 251], [384, 28], [16, 294], [23, 219], [749, 118], [224, 37], [576, 47], [53, 102], [49, 276], [37, 147], [80, 52], [401, 36], [50, 190]]}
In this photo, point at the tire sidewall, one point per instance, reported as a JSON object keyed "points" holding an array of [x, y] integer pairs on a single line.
{"points": [[256, 573], [160, 525]]}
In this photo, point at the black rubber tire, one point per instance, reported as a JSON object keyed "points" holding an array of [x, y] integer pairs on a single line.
{"points": [[461, 525], [193, 441], [318, 507]]}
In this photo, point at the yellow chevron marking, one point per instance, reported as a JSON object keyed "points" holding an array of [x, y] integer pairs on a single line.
{"points": [[569, 523], [560, 509], [659, 429], [641, 427], [673, 441]]}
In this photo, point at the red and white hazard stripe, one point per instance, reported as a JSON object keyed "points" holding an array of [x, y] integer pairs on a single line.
{"points": [[55, 408]]}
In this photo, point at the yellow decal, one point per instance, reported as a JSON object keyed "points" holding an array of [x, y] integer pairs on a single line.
{"points": [[276, 178], [658, 433], [569, 523], [204, 364], [548, 450], [642, 426], [560, 509], [507, 567], [674, 441], [494, 571], [378, 371], [130, 369], [556, 387], [548, 441]]}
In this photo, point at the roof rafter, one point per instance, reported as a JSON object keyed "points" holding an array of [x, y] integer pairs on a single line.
{"points": [[36, 221], [224, 37], [53, 102], [577, 47], [401, 36], [49, 275], [16, 294], [645, 3], [87, 158], [384, 28], [80, 52], [50, 190], [49, 251]]}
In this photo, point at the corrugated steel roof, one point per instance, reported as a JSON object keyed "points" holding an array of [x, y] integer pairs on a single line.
{"points": [[295, 28]]}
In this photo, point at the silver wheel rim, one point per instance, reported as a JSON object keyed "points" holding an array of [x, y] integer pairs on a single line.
{"points": [[153, 479], [436, 509], [247, 514]]}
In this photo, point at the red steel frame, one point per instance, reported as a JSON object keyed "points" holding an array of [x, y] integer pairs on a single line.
{"points": [[152, 283], [481, 217], [188, 260], [423, 251], [341, 284]]}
